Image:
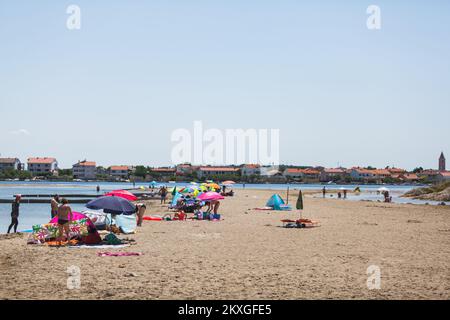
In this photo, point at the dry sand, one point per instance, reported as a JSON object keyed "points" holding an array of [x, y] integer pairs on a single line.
{"points": [[248, 256]]}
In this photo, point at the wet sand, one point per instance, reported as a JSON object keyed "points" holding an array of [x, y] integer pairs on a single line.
{"points": [[249, 256]]}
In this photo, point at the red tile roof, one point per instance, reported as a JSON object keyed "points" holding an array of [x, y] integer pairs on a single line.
{"points": [[445, 173], [396, 170], [411, 176], [224, 169], [304, 171], [163, 170], [252, 166], [334, 170], [119, 168], [86, 164], [8, 160], [382, 172], [41, 160]]}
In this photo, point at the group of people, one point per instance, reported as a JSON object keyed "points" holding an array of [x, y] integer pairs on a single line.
{"points": [[339, 194], [59, 208]]}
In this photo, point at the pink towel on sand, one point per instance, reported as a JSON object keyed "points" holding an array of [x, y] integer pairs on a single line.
{"points": [[118, 254]]}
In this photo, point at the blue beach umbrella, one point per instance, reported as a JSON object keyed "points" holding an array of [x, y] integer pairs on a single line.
{"points": [[113, 205]]}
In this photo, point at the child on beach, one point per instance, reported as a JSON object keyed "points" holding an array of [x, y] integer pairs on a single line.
{"points": [[15, 214]]}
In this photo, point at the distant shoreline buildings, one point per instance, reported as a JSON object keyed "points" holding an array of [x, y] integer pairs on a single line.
{"points": [[47, 168]]}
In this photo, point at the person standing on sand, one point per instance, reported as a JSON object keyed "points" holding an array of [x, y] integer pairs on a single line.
{"points": [[215, 204], [163, 193], [140, 210], [54, 205], [15, 214], [324, 191], [64, 218]]}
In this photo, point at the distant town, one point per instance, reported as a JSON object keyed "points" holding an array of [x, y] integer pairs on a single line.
{"points": [[46, 168]]}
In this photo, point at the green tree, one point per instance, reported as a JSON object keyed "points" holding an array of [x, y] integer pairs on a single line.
{"points": [[141, 171]]}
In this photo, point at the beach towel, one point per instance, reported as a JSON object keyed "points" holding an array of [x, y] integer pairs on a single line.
{"points": [[105, 246], [152, 218], [62, 243], [45, 232], [300, 223], [126, 223], [118, 254]]}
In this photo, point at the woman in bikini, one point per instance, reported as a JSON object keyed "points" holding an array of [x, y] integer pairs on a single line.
{"points": [[64, 218]]}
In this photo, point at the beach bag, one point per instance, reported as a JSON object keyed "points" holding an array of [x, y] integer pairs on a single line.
{"points": [[216, 216], [111, 239]]}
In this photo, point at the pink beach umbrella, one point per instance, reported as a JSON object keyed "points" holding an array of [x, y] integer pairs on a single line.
{"points": [[76, 216], [123, 194], [210, 196]]}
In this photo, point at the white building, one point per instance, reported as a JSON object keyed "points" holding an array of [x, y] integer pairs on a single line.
{"points": [[85, 170], [119, 172], [216, 171], [251, 170], [39, 166], [10, 163]]}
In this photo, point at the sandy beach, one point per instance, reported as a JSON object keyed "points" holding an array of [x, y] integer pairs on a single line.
{"points": [[248, 255]]}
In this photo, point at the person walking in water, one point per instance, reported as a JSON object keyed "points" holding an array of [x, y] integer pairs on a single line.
{"points": [[54, 205], [324, 191], [98, 188], [345, 193], [15, 214], [64, 218]]}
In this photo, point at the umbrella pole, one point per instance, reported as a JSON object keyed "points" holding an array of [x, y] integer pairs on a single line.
{"points": [[287, 200]]}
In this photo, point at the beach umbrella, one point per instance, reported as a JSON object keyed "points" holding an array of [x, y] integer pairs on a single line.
{"points": [[113, 205], [210, 196], [187, 190], [228, 182], [299, 204], [174, 191], [213, 185], [123, 194]]}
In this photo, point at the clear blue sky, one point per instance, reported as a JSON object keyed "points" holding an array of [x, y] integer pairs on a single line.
{"points": [[114, 91]]}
